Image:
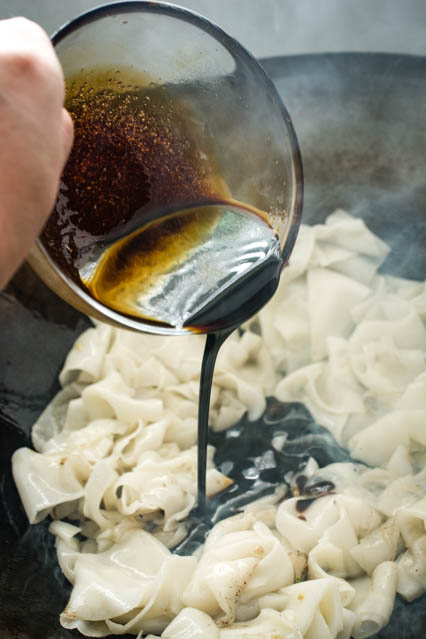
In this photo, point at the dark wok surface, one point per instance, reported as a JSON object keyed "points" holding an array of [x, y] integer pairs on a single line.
{"points": [[361, 124]]}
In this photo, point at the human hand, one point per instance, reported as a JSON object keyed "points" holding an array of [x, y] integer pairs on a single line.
{"points": [[36, 135]]}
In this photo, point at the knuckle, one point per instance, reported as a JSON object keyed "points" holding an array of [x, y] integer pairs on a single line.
{"points": [[33, 68], [26, 63], [27, 56]]}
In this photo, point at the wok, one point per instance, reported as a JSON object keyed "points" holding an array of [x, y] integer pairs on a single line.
{"points": [[361, 125]]}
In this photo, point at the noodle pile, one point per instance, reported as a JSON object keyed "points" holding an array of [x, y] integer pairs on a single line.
{"points": [[115, 462]]}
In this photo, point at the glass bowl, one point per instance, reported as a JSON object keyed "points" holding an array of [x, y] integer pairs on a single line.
{"points": [[236, 121]]}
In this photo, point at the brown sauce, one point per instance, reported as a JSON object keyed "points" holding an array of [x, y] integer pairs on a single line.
{"points": [[311, 491], [137, 153], [303, 504]]}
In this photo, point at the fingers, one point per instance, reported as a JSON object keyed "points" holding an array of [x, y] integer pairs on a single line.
{"points": [[36, 135]]}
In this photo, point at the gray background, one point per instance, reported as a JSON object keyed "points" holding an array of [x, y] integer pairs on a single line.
{"points": [[277, 27]]}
